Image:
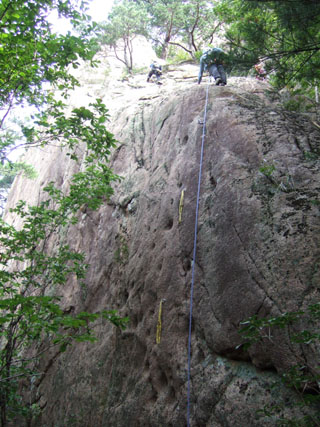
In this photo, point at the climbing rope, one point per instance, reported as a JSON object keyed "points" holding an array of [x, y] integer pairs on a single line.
{"points": [[194, 255]]}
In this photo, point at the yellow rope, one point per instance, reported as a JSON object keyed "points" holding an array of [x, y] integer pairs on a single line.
{"points": [[181, 206], [159, 325]]}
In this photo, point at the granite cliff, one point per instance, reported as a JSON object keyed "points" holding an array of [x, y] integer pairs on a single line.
{"points": [[257, 254]]}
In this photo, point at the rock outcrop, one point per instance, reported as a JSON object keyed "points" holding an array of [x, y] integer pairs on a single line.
{"points": [[257, 254]]}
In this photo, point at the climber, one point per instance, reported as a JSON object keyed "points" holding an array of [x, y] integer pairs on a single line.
{"points": [[155, 69], [261, 72], [213, 60]]}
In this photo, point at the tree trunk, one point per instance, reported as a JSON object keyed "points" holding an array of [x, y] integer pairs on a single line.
{"points": [[3, 406], [164, 51]]}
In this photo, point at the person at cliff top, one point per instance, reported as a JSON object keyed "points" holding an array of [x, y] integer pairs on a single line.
{"points": [[155, 69], [212, 61], [261, 72]]}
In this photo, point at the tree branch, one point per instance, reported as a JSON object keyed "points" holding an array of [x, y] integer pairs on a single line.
{"points": [[182, 47]]}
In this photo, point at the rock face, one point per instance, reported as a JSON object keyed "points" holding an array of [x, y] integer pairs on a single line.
{"points": [[257, 254]]}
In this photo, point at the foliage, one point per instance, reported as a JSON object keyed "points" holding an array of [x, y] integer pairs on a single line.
{"points": [[126, 20], [165, 20], [177, 55], [303, 330], [122, 253], [284, 34], [8, 172], [187, 24], [267, 170], [29, 272], [296, 99], [35, 258], [200, 25], [30, 54]]}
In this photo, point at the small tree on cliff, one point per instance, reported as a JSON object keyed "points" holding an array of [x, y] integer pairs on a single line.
{"points": [[187, 24], [199, 25], [31, 318], [166, 19], [302, 328], [125, 22]]}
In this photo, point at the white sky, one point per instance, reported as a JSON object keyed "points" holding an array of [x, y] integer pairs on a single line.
{"points": [[97, 9]]}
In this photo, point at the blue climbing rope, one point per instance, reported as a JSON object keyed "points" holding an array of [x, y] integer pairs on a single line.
{"points": [[194, 255]]}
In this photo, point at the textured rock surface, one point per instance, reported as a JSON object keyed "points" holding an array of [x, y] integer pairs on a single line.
{"points": [[257, 253]]}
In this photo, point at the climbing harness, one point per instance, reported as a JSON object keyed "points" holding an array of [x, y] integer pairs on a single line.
{"points": [[159, 324], [181, 206], [194, 255]]}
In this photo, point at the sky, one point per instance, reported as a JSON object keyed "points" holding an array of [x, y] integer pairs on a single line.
{"points": [[97, 9]]}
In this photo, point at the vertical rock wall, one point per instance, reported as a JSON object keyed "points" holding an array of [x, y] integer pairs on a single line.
{"points": [[257, 253]]}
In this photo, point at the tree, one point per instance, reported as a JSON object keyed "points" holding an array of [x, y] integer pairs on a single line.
{"points": [[31, 275], [199, 25], [31, 54], [284, 33], [126, 20], [30, 272], [188, 24], [166, 19]]}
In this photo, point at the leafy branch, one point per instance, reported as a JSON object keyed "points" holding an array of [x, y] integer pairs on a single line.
{"points": [[302, 377]]}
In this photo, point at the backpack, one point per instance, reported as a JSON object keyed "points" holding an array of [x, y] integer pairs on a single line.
{"points": [[156, 67], [214, 55]]}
